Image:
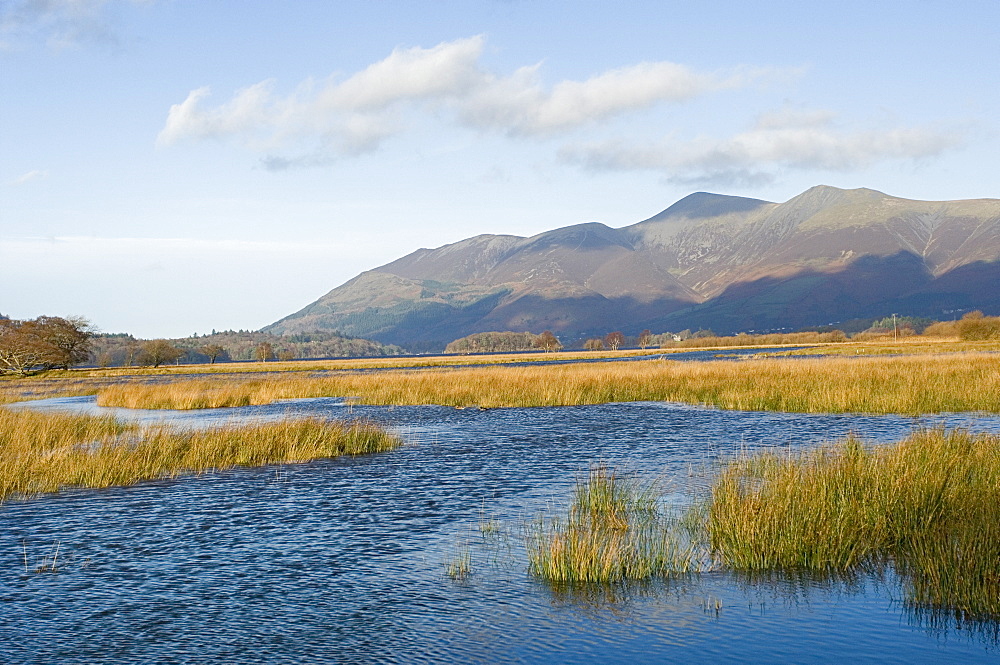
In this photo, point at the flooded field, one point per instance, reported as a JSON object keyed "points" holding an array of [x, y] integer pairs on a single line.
{"points": [[347, 560]]}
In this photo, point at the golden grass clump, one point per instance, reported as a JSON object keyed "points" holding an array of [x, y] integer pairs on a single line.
{"points": [[615, 531], [42, 453], [929, 506], [916, 384]]}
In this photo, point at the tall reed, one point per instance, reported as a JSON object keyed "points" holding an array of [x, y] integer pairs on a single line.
{"points": [[41, 453], [929, 506], [896, 384], [614, 531]]}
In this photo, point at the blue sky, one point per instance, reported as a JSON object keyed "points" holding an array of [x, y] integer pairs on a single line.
{"points": [[170, 166]]}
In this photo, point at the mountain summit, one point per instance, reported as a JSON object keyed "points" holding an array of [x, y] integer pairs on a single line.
{"points": [[722, 262]]}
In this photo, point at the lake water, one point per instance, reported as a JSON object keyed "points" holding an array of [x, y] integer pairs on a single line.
{"points": [[345, 560]]}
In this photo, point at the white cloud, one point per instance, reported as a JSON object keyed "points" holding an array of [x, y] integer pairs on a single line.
{"points": [[447, 70], [521, 105], [28, 177], [349, 117], [809, 140]]}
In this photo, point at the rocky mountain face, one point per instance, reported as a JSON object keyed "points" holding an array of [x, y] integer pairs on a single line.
{"points": [[708, 261]]}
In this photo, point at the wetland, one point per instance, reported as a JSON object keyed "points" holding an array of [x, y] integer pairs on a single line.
{"points": [[422, 552]]}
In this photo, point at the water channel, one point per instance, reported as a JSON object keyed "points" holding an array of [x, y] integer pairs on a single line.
{"points": [[345, 560]]}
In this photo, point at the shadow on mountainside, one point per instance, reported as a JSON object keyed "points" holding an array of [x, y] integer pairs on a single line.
{"points": [[871, 287]]}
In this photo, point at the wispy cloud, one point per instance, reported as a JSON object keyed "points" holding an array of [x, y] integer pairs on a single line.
{"points": [[28, 177], [336, 118], [810, 140], [61, 23]]}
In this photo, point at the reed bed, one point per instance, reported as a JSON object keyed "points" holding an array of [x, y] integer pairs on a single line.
{"points": [[918, 384], [929, 506], [615, 531], [43, 453]]}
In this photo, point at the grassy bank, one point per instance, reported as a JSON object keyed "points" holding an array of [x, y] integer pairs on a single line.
{"points": [[41, 453], [905, 384], [929, 506], [903, 346]]}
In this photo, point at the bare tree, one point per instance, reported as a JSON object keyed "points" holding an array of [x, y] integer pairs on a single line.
{"points": [[645, 338], [213, 351], [264, 352], [158, 351], [286, 355], [70, 335], [23, 349], [47, 342], [614, 340], [547, 341], [132, 352], [594, 345]]}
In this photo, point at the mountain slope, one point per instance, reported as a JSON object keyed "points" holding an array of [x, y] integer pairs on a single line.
{"points": [[709, 260]]}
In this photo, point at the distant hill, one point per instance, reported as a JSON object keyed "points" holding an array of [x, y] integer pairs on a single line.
{"points": [[708, 261]]}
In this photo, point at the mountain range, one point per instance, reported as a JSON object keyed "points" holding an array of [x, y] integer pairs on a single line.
{"points": [[709, 261]]}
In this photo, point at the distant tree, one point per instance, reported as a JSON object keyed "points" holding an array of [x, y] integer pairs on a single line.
{"points": [[645, 339], [547, 342], [47, 342], [942, 329], [286, 355], [614, 340], [105, 359], [264, 352], [492, 342], [158, 351], [213, 351], [70, 335], [594, 345], [975, 326], [23, 349], [132, 352], [703, 333]]}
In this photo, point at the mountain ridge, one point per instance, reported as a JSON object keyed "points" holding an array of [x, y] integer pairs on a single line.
{"points": [[709, 260]]}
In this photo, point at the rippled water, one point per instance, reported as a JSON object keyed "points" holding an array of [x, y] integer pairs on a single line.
{"points": [[344, 560]]}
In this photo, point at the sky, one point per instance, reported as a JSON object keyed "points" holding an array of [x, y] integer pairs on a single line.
{"points": [[170, 167]]}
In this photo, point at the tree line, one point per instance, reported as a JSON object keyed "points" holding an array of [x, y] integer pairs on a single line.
{"points": [[125, 351], [52, 342], [972, 326]]}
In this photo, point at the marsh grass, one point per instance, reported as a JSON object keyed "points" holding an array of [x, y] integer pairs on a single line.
{"points": [[43, 453], [928, 506], [614, 531], [459, 567], [917, 384], [903, 346]]}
